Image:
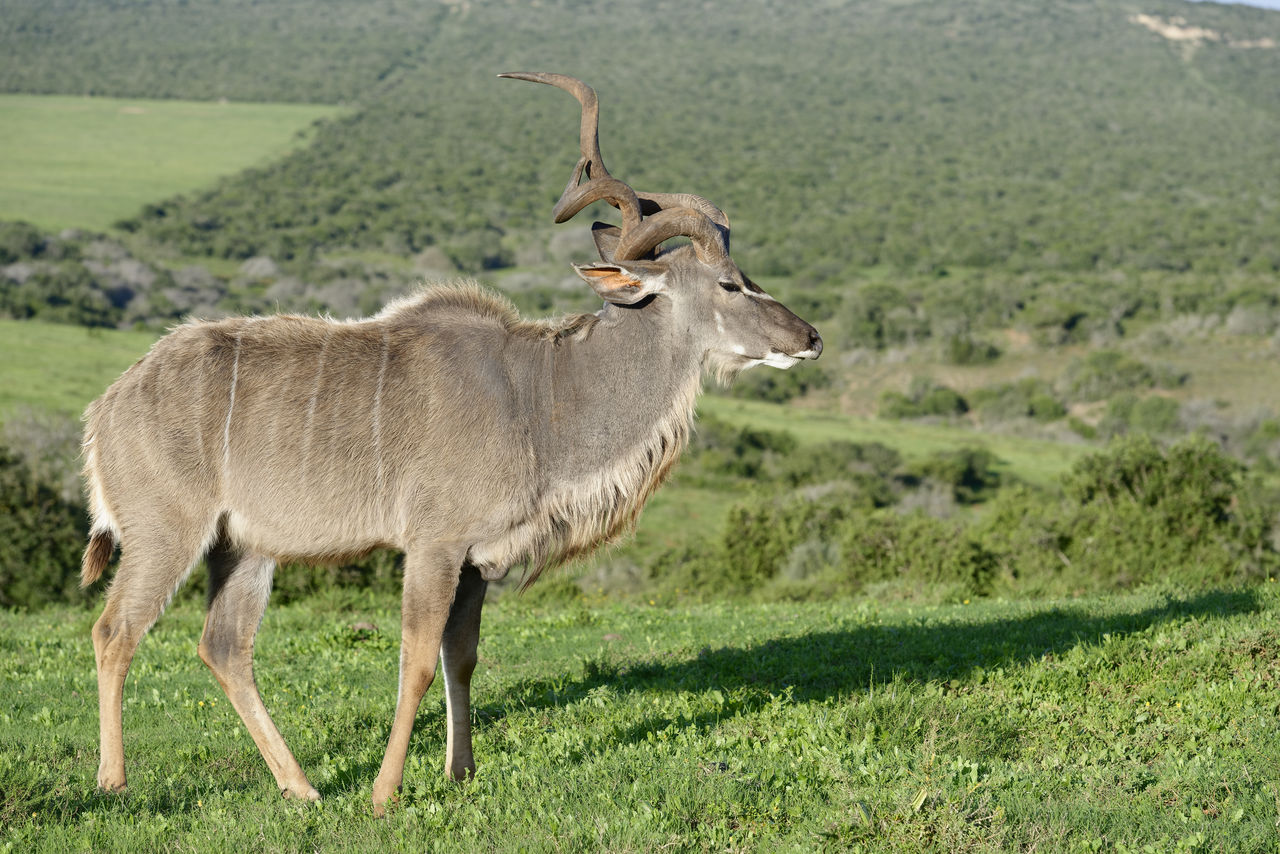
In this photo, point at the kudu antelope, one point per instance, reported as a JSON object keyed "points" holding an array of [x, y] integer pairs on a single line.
{"points": [[445, 427]]}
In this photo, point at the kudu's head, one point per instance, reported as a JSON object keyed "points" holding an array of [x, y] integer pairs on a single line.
{"points": [[727, 317]]}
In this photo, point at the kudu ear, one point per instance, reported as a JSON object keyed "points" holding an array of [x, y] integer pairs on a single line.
{"points": [[624, 283]]}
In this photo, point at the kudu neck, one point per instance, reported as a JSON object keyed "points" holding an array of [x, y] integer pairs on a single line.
{"points": [[618, 387]]}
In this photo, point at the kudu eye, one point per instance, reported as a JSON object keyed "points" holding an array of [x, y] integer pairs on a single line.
{"points": [[731, 287]]}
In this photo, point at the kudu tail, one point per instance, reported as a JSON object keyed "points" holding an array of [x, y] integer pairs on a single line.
{"points": [[96, 556]]}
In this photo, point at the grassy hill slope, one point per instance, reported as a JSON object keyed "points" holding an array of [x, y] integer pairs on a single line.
{"points": [[915, 135]]}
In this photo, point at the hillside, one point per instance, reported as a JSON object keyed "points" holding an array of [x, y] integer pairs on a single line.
{"points": [[918, 136]]}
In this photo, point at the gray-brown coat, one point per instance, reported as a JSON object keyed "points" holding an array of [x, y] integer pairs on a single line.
{"points": [[445, 427]]}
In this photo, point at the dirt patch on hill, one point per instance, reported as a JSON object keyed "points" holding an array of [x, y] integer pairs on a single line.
{"points": [[1178, 30]]}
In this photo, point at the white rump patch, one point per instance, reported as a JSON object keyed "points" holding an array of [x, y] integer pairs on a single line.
{"points": [[103, 518]]}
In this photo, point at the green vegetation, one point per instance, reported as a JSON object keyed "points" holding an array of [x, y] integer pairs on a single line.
{"points": [[1130, 515], [922, 399], [61, 368], [935, 136], [1028, 398], [86, 162], [42, 534], [1103, 373], [1091, 724]]}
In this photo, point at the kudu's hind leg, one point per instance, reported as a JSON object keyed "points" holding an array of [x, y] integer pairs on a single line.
{"points": [[151, 568], [430, 579], [239, 586], [458, 657]]}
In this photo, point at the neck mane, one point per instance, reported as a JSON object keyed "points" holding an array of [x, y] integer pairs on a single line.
{"points": [[617, 402]]}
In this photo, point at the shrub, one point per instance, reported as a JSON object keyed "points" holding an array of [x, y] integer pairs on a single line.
{"points": [[1137, 513], [1103, 373], [832, 542], [924, 398], [1193, 481], [720, 450], [761, 533], [871, 465], [41, 537], [20, 241], [779, 386], [1028, 398], [967, 350], [926, 554], [970, 473], [380, 571], [1155, 415]]}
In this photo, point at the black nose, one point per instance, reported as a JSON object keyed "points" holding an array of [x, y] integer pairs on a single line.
{"points": [[815, 343]]}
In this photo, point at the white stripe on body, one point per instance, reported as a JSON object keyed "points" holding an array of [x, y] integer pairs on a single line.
{"points": [[377, 408], [231, 406]]}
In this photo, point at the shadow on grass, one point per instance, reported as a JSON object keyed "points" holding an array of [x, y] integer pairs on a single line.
{"points": [[817, 666], [832, 664]]}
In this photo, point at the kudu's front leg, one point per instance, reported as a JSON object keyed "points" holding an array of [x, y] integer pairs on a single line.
{"points": [[430, 579], [458, 657]]}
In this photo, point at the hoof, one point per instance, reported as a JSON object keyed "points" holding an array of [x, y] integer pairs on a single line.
{"points": [[112, 785], [307, 794], [464, 774], [380, 807]]}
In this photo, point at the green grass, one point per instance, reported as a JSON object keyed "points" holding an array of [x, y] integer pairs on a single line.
{"points": [[87, 162], [1095, 724], [61, 368]]}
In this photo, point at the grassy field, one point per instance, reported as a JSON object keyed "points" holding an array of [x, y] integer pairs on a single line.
{"points": [[1095, 724], [58, 368], [87, 162]]}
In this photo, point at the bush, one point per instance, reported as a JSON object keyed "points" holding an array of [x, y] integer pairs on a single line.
{"points": [[871, 465], [19, 241], [923, 399], [967, 350], [970, 473], [761, 533], [1029, 398], [1103, 373], [1132, 514], [380, 571], [829, 542], [721, 450], [931, 557], [1137, 513], [1155, 415], [778, 386], [41, 538]]}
